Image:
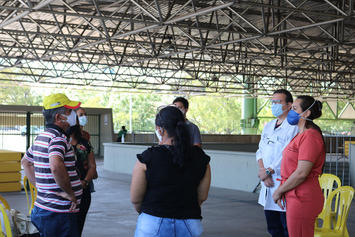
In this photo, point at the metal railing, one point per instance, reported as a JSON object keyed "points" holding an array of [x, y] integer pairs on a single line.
{"points": [[338, 158], [143, 137], [18, 130]]}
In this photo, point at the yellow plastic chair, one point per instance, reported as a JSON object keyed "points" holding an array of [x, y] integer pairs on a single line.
{"points": [[342, 198], [4, 203], [347, 147], [6, 221], [328, 183], [31, 192]]}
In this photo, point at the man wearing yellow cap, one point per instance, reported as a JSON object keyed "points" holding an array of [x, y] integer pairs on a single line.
{"points": [[50, 164]]}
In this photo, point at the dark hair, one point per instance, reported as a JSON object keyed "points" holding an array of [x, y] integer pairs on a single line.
{"points": [[49, 114], [316, 110], [76, 131], [172, 120], [76, 110], [123, 127], [183, 101], [289, 98]]}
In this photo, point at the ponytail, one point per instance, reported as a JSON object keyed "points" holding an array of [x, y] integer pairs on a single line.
{"points": [[182, 144], [315, 107], [172, 120]]}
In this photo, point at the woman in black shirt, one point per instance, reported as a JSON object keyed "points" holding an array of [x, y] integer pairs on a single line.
{"points": [[170, 181], [86, 168]]}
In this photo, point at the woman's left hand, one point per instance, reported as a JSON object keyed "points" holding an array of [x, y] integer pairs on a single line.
{"points": [[277, 196]]}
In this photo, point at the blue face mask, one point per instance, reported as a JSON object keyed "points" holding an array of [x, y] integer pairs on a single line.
{"points": [[276, 109], [293, 117]]}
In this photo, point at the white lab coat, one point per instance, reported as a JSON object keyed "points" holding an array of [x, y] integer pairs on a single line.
{"points": [[271, 145]]}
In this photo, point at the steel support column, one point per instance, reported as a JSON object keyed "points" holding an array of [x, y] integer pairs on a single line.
{"points": [[249, 121]]}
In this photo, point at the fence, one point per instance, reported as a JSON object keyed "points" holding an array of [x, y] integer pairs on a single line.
{"points": [[18, 130], [93, 128], [143, 137], [338, 159]]}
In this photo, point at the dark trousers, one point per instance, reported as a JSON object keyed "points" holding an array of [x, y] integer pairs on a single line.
{"points": [[276, 223], [84, 207]]}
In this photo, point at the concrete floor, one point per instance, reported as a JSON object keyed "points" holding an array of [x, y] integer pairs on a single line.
{"points": [[226, 213]]}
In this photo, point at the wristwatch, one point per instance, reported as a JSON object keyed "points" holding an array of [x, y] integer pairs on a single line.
{"points": [[268, 172]]}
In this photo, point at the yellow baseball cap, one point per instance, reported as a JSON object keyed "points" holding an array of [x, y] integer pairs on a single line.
{"points": [[59, 100]]}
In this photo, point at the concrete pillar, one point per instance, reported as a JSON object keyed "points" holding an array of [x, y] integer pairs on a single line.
{"points": [[249, 121]]}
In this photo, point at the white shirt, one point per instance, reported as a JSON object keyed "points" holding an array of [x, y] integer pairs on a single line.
{"points": [[271, 145]]}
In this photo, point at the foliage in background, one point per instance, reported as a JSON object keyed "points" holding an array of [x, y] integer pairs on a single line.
{"points": [[11, 94], [143, 107], [213, 115], [326, 122], [143, 110]]}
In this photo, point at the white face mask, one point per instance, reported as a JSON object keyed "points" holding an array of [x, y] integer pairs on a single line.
{"points": [[83, 120], [158, 135], [183, 111], [71, 118]]}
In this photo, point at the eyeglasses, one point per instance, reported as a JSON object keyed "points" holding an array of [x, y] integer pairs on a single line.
{"points": [[276, 101], [269, 141]]}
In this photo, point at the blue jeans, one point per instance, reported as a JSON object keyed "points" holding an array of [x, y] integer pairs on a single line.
{"points": [[149, 225], [53, 224]]}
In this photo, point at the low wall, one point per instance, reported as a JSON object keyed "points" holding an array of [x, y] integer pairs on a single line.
{"points": [[220, 138], [230, 169], [233, 170], [230, 138], [121, 157]]}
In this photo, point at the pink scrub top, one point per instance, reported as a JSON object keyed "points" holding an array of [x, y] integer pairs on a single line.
{"points": [[305, 202]]}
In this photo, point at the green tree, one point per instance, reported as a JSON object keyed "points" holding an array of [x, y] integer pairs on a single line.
{"points": [[327, 122], [11, 94], [265, 115], [215, 115], [144, 109], [212, 114]]}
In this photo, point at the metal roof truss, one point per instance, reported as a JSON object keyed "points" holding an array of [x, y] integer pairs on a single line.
{"points": [[195, 46]]}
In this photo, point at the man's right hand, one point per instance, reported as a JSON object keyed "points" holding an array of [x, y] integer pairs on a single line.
{"points": [[262, 174], [71, 198], [269, 182]]}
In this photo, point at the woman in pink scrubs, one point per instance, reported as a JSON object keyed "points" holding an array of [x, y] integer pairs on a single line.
{"points": [[302, 163]]}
